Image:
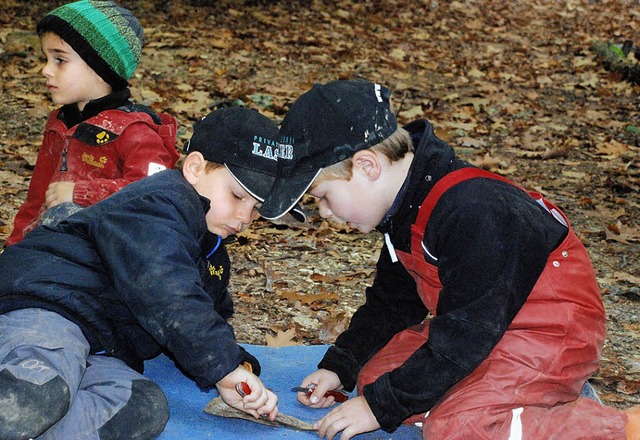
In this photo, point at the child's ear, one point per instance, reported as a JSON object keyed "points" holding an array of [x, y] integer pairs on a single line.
{"points": [[193, 165], [368, 163]]}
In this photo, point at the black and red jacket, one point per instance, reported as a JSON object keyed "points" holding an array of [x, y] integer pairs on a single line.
{"points": [[490, 242]]}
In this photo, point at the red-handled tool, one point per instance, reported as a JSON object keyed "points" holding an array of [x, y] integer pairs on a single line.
{"points": [[338, 395], [243, 389]]}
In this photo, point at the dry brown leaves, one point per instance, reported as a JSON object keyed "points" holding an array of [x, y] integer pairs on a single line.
{"points": [[513, 85]]}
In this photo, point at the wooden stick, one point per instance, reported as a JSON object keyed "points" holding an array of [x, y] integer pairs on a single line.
{"points": [[217, 407]]}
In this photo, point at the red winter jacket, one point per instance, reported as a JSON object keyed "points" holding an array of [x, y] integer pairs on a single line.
{"points": [[101, 155]]}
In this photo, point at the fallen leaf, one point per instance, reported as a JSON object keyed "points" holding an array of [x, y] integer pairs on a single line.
{"points": [[281, 339]]}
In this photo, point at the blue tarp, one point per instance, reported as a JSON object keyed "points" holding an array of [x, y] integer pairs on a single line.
{"points": [[282, 368]]}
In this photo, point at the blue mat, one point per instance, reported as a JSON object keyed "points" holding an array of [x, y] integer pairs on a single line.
{"points": [[282, 368]]}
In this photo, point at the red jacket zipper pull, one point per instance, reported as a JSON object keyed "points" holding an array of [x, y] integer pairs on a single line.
{"points": [[63, 167]]}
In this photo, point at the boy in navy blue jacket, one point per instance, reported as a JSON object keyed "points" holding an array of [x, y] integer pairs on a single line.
{"points": [[83, 304]]}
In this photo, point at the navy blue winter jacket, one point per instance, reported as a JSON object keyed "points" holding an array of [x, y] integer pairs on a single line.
{"points": [[139, 273]]}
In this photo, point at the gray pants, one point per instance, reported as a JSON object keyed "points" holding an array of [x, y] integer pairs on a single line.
{"points": [[51, 388]]}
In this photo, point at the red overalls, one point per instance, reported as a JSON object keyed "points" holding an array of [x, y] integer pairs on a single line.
{"points": [[529, 385]]}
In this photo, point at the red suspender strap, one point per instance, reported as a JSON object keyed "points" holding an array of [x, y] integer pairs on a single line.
{"points": [[444, 184]]}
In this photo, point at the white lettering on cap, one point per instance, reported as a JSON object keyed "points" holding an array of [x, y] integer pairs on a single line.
{"points": [[267, 151], [280, 150], [376, 88]]}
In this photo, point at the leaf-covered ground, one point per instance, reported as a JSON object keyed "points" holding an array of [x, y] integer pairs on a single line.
{"points": [[514, 85]]}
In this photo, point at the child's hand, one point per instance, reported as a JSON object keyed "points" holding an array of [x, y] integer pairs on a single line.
{"points": [[260, 402], [324, 380], [351, 418], [59, 192]]}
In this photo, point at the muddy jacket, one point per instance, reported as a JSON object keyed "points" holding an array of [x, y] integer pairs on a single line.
{"points": [[489, 241], [139, 273], [110, 145]]}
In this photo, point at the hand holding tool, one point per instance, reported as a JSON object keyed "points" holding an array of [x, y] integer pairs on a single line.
{"points": [[243, 389], [338, 395]]}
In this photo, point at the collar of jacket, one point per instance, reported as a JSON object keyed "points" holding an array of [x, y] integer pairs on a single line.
{"points": [[206, 204], [71, 115], [431, 160]]}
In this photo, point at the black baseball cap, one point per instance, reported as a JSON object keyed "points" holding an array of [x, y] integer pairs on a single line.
{"points": [[246, 143], [326, 125]]}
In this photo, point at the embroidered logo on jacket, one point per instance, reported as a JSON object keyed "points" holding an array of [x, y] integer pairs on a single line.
{"points": [[91, 160], [216, 272], [102, 138], [93, 135]]}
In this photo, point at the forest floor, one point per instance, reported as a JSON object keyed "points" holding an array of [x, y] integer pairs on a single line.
{"points": [[515, 86]]}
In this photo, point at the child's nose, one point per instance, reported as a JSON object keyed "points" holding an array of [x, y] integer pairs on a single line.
{"points": [[246, 213], [45, 69]]}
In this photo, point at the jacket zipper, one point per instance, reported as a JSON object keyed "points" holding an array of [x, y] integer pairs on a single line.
{"points": [[63, 167]]}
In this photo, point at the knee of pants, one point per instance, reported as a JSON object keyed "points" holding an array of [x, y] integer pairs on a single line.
{"points": [[28, 409], [143, 417]]}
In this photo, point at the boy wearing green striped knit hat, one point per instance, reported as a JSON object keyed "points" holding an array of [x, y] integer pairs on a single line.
{"points": [[98, 141], [106, 36]]}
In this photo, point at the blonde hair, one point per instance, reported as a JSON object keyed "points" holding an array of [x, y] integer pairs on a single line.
{"points": [[394, 148]]}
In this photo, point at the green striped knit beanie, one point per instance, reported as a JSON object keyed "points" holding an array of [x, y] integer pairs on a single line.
{"points": [[106, 36]]}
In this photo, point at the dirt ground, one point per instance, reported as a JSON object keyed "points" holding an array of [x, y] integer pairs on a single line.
{"points": [[514, 86]]}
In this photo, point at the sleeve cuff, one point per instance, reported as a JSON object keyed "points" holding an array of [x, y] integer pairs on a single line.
{"points": [[384, 405], [81, 194], [341, 362]]}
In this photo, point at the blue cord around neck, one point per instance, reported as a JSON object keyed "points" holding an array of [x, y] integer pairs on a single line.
{"points": [[215, 248]]}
